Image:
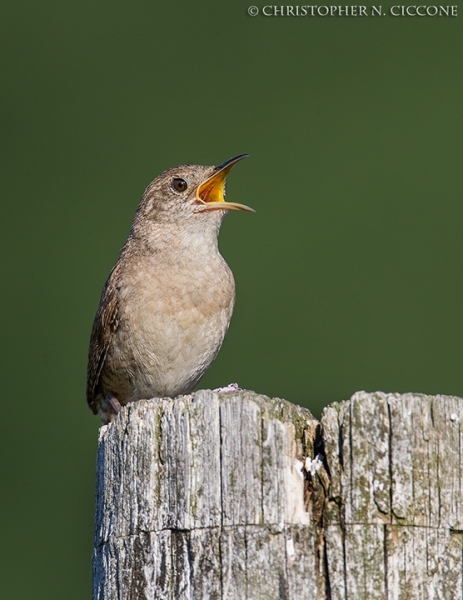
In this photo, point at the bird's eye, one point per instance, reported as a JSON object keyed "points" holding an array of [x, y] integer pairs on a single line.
{"points": [[179, 184]]}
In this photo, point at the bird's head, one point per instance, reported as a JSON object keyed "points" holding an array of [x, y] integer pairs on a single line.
{"points": [[188, 195]]}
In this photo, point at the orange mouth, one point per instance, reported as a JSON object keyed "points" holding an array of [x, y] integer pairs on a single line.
{"points": [[211, 193]]}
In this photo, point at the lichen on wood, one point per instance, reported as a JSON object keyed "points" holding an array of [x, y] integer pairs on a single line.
{"points": [[394, 512], [217, 496]]}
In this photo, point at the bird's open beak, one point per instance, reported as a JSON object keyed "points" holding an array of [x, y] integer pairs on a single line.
{"points": [[210, 193]]}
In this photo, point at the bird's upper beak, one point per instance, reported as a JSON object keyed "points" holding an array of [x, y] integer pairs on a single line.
{"points": [[210, 193]]}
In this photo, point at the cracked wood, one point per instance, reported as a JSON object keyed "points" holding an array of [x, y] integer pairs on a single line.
{"points": [[206, 497]]}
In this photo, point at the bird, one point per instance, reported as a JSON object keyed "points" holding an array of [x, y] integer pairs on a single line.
{"points": [[167, 303]]}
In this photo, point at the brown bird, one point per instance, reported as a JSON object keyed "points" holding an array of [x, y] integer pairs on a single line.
{"points": [[167, 303]]}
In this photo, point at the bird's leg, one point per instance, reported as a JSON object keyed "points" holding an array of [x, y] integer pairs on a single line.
{"points": [[114, 403], [109, 408], [231, 387]]}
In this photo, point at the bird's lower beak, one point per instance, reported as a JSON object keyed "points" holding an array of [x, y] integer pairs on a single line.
{"points": [[210, 194]]}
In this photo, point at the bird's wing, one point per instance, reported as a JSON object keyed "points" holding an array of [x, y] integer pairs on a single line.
{"points": [[104, 326]]}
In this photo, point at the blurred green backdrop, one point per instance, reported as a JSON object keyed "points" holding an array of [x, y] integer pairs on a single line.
{"points": [[348, 277]]}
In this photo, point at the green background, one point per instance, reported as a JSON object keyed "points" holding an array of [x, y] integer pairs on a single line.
{"points": [[348, 277]]}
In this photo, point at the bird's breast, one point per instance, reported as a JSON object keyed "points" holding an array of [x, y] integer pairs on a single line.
{"points": [[173, 321]]}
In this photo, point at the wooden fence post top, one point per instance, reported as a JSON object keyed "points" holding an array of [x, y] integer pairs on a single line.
{"points": [[239, 496]]}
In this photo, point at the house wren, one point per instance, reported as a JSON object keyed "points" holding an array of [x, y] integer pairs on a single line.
{"points": [[167, 303]]}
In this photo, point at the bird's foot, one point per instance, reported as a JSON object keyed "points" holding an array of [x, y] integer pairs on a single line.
{"points": [[231, 387], [109, 408], [114, 403]]}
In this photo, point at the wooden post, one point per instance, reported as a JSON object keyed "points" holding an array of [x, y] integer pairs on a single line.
{"points": [[237, 496]]}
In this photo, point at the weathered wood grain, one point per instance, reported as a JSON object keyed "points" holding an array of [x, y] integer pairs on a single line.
{"points": [[216, 496], [394, 508]]}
